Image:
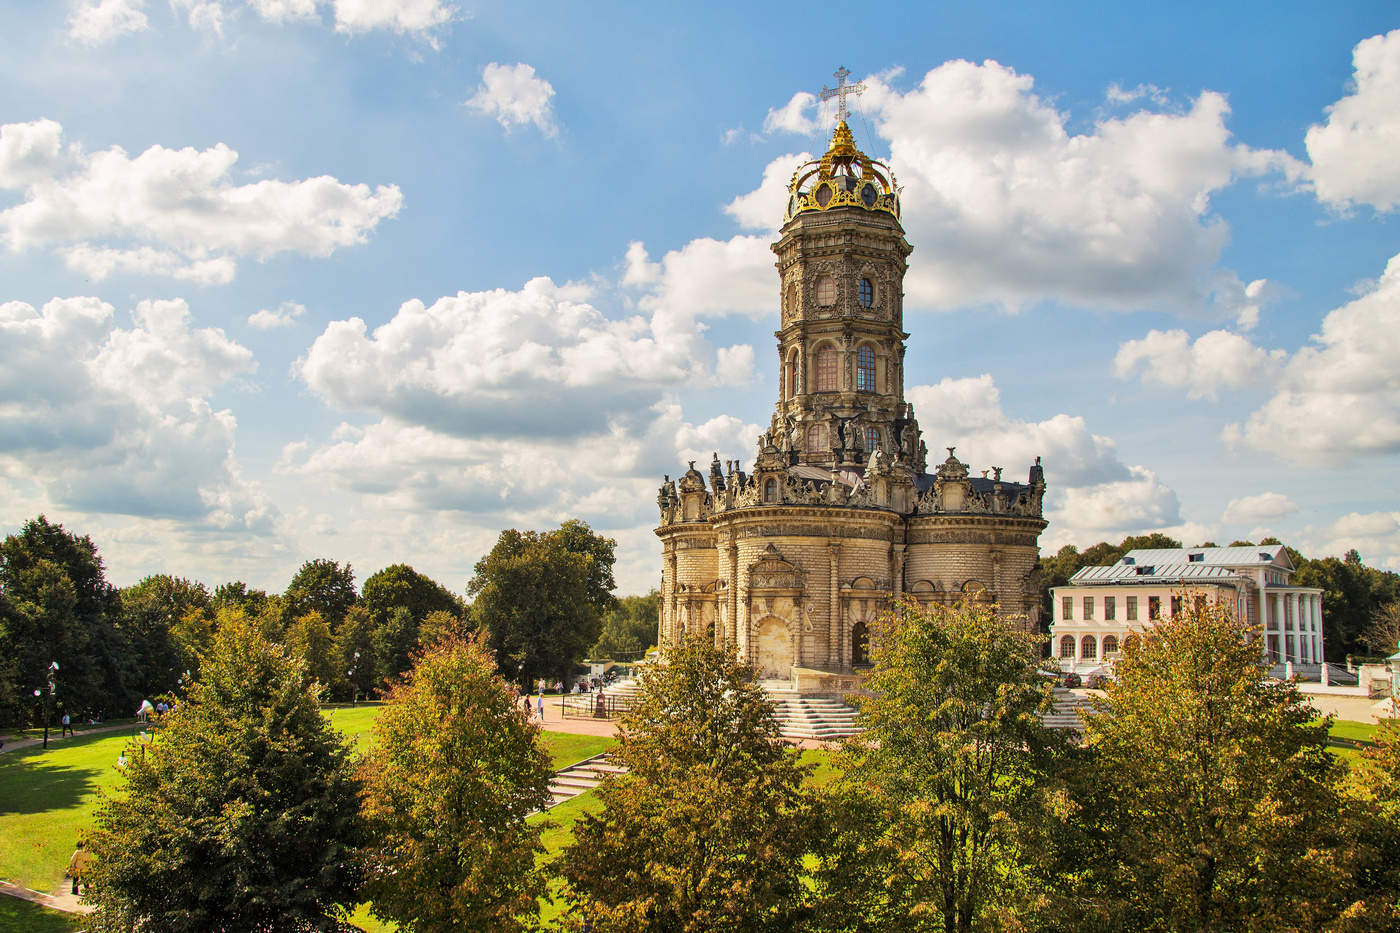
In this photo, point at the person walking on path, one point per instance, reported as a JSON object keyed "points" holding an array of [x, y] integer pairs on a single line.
{"points": [[67, 727], [540, 704], [78, 865]]}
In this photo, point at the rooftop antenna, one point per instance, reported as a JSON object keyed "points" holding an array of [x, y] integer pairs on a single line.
{"points": [[840, 92]]}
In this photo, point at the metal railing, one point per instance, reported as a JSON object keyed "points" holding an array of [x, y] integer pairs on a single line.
{"points": [[594, 706]]}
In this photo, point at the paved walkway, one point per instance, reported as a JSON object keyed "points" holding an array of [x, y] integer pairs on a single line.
{"points": [[55, 738], [61, 899]]}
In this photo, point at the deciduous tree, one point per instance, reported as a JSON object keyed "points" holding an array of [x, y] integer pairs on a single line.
{"points": [[708, 828], [945, 797], [540, 597], [454, 770], [322, 586], [240, 815], [630, 627], [1214, 798]]}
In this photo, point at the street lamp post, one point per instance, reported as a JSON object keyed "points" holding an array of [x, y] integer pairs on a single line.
{"points": [[351, 674], [48, 699]]}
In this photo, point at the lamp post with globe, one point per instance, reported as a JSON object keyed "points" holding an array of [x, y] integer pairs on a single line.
{"points": [[48, 699], [351, 674]]}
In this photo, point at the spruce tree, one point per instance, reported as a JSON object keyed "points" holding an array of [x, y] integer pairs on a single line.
{"points": [[240, 814]]}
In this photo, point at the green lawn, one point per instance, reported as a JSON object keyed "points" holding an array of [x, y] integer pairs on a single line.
{"points": [[17, 916], [47, 797]]}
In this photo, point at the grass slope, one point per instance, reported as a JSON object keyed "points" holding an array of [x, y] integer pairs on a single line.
{"points": [[17, 916], [47, 797]]}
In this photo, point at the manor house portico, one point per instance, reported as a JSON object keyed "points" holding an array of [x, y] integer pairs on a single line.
{"points": [[840, 515], [1103, 608]]}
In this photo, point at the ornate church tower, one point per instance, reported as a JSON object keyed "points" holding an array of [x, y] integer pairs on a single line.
{"points": [[841, 347], [840, 519]]}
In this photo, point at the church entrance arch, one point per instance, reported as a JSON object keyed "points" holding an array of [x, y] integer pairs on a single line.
{"points": [[773, 660], [860, 645]]}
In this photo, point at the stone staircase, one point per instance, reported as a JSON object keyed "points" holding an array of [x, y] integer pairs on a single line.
{"points": [[1068, 706], [810, 717], [580, 778]]}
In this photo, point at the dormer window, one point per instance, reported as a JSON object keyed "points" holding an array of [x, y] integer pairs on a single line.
{"points": [[1195, 558], [770, 491], [1265, 556], [1145, 570], [1128, 561]]}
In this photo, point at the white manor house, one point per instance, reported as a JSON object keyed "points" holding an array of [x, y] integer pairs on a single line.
{"points": [[1103, 608]]}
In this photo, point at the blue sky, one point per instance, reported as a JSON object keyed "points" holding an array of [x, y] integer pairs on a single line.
{"points": [[374, 279]]}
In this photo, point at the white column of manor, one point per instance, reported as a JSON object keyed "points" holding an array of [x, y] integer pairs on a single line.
{"points": [[1102, 607]]}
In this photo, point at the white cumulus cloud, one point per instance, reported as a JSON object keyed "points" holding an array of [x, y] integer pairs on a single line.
{"points": [[1354, 154], [93, 22], [284, 315], [1338, 398], [514, 96], [175, 212], [1212, 362], [119, 420], [1091, 493], [1007, 206], [1252, 510]]}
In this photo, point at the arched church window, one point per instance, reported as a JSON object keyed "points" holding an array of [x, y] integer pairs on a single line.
{"points": [[826, 369], [816, 439], [792, 374], [826, 291], [872, 439], [865, 369], [1067, 646], [867, 293], [770, 491]]}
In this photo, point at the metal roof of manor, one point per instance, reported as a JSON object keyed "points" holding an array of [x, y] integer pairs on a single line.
{"points": [[1155, 573], [1186, 565]]}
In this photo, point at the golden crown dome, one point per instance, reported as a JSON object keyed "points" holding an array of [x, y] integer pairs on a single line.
{"points": [[843, 177]]}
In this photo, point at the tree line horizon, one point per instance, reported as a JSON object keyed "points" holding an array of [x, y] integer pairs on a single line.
{"points": [[544, 599]]}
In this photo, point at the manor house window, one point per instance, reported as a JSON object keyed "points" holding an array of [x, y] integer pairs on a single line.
{"points": [[1176, 606], [1088, 608], [865, 369], [1110, 645], [1110, 605], [1088, 648], [1067, 608], [1130, 608], [1154, 607], [1067, 646]]}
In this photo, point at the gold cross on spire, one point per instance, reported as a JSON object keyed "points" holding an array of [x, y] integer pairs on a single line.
{"points": [[840, 92]]}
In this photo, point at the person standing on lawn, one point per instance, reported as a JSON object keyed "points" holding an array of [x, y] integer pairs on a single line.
{"points": [[78, 864]]}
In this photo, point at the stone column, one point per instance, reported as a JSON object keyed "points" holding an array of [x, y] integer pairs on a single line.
{"points": [[1276, 626], [896, 571], [835, 638], [1315, 611], [733, 621], [669, 597]]}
